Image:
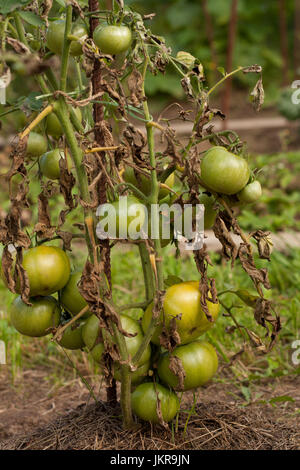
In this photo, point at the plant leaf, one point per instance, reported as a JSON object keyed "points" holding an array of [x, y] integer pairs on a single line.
{"points": [[7, 6], [31, 18]]}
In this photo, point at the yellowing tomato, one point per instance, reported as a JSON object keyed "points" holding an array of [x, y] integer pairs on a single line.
{"points": [[182, 302]]}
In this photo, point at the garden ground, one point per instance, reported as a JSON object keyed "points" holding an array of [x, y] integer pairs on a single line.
{"points": [[66, 417]]}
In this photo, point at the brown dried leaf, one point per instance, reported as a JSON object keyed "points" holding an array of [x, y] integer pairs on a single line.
{"points": [[158, 410], [21, 278], [135, 85], [169, 337], [264, 243], [229, 248], [66, 238], [258, 95], [43, 228], [175, 366], [247, 261], [66, 182], [7, 262]]}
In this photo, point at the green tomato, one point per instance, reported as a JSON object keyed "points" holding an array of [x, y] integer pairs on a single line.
{"points": [[93, 336], [53, 126], [55, 37], [224, 172], [251, 193], [128, 214], [35, 319], [182, 301], [71, 298], [72, 337], [47, 268], [112, 39], [49, 163], [137, 376], [144, 402], [36, 145], [143, 182], [199, 361], [210, 213]]}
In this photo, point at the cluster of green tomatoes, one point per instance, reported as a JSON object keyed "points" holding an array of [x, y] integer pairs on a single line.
{"points": [[49, 274]]}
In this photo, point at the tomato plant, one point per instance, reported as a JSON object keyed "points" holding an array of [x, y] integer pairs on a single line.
{"points": [[115, 159]]}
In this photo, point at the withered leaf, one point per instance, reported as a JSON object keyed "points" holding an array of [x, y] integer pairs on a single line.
{"points": [[7, 262], [135, 86], [175, 366], [66, 182], [21, 278], [247, 261], [258, 95], [229, 248], [169, 337], [43, 228]]}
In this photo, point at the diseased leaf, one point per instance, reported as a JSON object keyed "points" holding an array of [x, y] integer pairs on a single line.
{"points": [[258, 95]]}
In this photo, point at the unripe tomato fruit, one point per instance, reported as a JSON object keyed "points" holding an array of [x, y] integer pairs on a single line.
{"points": [[182, 300], [72, 337], [35, 319], [47, 268], [137, 376], [129, 215], [53, 126], [92, 337], [112, 39], [144, 402], [71, 298], [210, 213], [199, 361], [251, 193], [224, 172], [49, 163], [36, 145], [55, 37], [143, 182]]}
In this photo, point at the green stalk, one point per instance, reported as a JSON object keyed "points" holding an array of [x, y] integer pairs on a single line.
{"points": [[20, 28], [66, 49], [147, 271], [157, 244]]}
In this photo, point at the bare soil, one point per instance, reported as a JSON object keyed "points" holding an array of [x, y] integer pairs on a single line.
{"points": [[37, 415]]}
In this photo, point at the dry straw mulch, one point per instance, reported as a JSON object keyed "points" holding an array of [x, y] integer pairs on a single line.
{"points": [[214, 425]]}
